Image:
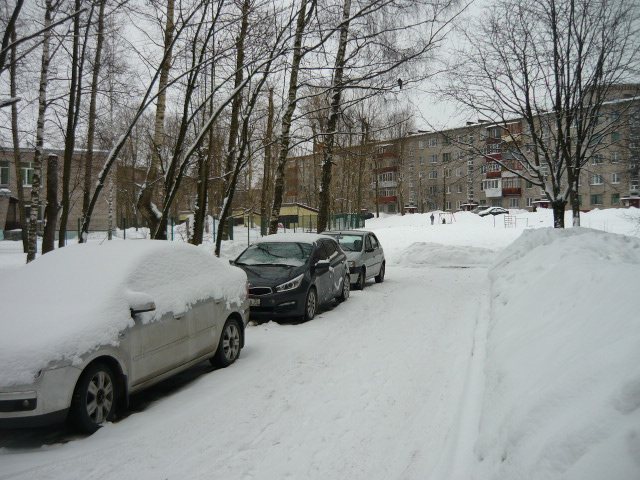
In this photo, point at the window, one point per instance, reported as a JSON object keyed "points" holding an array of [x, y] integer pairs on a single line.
{"points": [[514, 203], [27, 173], [492, 148], [433, 190], [634, 185], [528, 184], [448, 189], [487, 184], [391, 208], [529, 202], [511, 182], [433, 174], [446, 141], [615, 137], [433, 142], [421, 144], [615, 199], [496, 202], [446, 157], [615, 177], [433, 158], [421, 160], [596, 179], [446, 172], [459, 172], [4, 172], [597, 160], [470, 137], [615, 115], [597, 199], [447, 205]]}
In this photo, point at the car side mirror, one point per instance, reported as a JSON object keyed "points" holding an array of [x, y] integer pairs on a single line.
{"points": [[322, 266], [142, 307], [369, 250]]}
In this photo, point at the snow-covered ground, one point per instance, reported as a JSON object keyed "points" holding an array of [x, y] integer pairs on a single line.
{"points": [[487, 353]]}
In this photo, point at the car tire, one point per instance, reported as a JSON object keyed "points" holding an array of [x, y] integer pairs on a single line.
{"points": [[380, 277], [362, 278], [94, 398], [310, 305], [346, 289], [228, 349]]}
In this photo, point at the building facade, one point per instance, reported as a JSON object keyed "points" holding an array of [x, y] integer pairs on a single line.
{"points": [[9, 206]]}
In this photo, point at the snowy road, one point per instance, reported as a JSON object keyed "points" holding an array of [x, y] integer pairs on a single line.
{"points": [[380, 373]]}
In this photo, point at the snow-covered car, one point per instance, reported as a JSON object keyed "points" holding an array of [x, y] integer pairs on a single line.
{"points": [[291, 275], [87, 325], [364, 254], [493, 211]]}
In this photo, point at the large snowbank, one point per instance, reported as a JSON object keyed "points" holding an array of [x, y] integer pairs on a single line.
{"points": [[72, 300], [562, 392]]}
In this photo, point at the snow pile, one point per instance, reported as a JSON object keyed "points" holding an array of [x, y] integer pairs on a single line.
{"points": [[72, 300], [562, 393], [423, 253]]}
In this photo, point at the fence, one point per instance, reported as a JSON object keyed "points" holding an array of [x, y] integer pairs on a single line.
{"points": [[256, 226]]}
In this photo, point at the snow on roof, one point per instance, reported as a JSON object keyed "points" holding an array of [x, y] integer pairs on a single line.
{"points": [[292, 237], [70, 301]]}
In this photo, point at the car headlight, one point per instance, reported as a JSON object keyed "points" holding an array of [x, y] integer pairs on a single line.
{"points": [[352, 264], [291, 284]]}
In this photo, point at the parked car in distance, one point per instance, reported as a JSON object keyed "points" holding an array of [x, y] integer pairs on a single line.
{"points": [[87, 325], [493, 211], [291, 275], [480, 208], [364, 254]]}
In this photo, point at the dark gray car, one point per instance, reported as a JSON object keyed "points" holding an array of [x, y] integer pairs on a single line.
{"points": [[364, 255]]}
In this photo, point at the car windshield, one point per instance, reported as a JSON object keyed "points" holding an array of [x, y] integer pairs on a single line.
{"points": [[349, 243], [277, 253]]}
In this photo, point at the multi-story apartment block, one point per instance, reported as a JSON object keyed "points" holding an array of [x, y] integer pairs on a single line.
{"points": [[480, 163], [9, 210]]}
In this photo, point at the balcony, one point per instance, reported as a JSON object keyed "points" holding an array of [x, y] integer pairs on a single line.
{"points": [[494, 174], [388, 184], [511, 191], [493, 192], [392, 199]]}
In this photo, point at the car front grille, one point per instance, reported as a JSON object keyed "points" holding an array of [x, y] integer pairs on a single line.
{"points": [[257, 291]]}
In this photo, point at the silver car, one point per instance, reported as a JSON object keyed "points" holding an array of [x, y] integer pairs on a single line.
{"points": [[365, 255], [106, 321]]}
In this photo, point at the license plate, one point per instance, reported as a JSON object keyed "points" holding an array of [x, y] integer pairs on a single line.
{"points": [[254, 302]]}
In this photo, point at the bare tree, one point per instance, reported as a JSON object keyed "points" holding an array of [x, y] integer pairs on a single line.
{"points": [[549, 66]]}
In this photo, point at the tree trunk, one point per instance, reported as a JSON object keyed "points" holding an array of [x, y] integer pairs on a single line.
{"points": [[52, 208], [266, 170], [558, 207], [69, 144], [145, 202], [332, 123], [200, 212], [22, 211], [86, 197], [37, 157], [285, 132]]}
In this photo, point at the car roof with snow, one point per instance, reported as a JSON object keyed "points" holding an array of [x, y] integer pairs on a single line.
{"points": [[309, 238]]}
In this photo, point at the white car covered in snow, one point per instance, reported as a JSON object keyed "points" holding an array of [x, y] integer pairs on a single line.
{"points": [[85, 326]]}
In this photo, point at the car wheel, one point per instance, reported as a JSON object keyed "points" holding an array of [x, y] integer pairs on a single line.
{"points": [[311, 305], [380, 277], [346, 289], [361, 279], [94, 398], [229, 346]]}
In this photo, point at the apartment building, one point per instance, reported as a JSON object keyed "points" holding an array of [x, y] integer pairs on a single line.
{"points": [[480, 163], [9, 207]]}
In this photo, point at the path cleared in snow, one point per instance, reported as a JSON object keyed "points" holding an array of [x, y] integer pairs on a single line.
{"points": [[367, 390]]}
